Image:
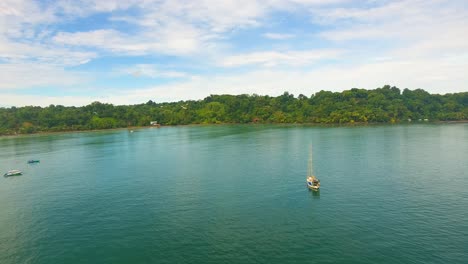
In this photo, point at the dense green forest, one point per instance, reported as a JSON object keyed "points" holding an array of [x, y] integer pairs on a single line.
{"points": [[386, 104]]}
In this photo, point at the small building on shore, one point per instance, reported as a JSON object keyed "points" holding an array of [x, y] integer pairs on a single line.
{"points": [[155, 123]]}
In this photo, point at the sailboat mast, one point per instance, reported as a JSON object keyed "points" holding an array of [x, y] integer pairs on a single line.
{"points": [[310, 171]]}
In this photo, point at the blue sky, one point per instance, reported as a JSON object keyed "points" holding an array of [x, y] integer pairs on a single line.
{"points": [[131, 51]]}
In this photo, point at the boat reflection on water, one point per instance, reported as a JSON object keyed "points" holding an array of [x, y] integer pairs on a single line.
{"points": [[315, 194]]}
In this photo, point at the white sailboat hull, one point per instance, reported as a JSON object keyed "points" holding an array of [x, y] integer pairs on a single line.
{"points": [[313, 183]]}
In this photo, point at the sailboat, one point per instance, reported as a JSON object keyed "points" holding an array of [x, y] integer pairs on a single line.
{"points": [[312, 182]]}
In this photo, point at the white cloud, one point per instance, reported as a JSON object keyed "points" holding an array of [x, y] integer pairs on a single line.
{"points": [[430, 31], [31, 75], [15, 52], [415, 43], [173, 38], [181, 28], [151, 71], [11, 99], [175, 27], [215, 16], [434, 75], [278, 36], [24, 11], [274, 58], [87, 7], [99, 38], [404, 20]]}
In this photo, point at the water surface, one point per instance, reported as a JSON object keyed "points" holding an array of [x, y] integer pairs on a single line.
{"points": [[237, 194]]}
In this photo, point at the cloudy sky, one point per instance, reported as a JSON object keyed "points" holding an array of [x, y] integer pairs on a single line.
{"points": [[130, 51]]}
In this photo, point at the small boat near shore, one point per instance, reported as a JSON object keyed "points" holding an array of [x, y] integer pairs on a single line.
{"points": [[313, 183], [13, 173], [33, 161]]}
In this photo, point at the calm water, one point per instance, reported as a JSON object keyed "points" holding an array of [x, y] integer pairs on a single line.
{"points": [[237, 194]]}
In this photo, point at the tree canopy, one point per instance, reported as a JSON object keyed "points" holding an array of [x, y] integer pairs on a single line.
{"points": [[386, 104]]}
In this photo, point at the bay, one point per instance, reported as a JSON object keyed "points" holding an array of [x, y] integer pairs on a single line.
{"points": [[237, 194]]}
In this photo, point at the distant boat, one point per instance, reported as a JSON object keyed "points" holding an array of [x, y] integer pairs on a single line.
{"points": [[313, 182], [13, 173], [33, 161]]}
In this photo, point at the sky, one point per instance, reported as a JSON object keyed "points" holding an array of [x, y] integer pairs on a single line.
{"points": [[130, 51]]}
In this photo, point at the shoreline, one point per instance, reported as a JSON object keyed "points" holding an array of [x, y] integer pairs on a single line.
{"points": [[357, 124]]}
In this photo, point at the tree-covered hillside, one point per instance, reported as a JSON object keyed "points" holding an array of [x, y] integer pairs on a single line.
{"points": [[386, 104]]}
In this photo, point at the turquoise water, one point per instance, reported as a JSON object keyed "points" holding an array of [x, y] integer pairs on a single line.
{"points": [[237, 194]]}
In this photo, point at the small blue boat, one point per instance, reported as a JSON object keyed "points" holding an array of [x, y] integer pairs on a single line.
{"points": [[33, 161]]}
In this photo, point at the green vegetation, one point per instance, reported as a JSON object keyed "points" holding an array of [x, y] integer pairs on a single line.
{"points": [[386, 104]]}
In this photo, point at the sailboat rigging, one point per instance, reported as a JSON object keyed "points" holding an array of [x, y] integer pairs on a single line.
{"points": [[313, 182]]}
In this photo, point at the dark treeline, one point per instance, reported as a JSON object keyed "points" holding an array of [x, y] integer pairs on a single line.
{"points": [[386, 104]]}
